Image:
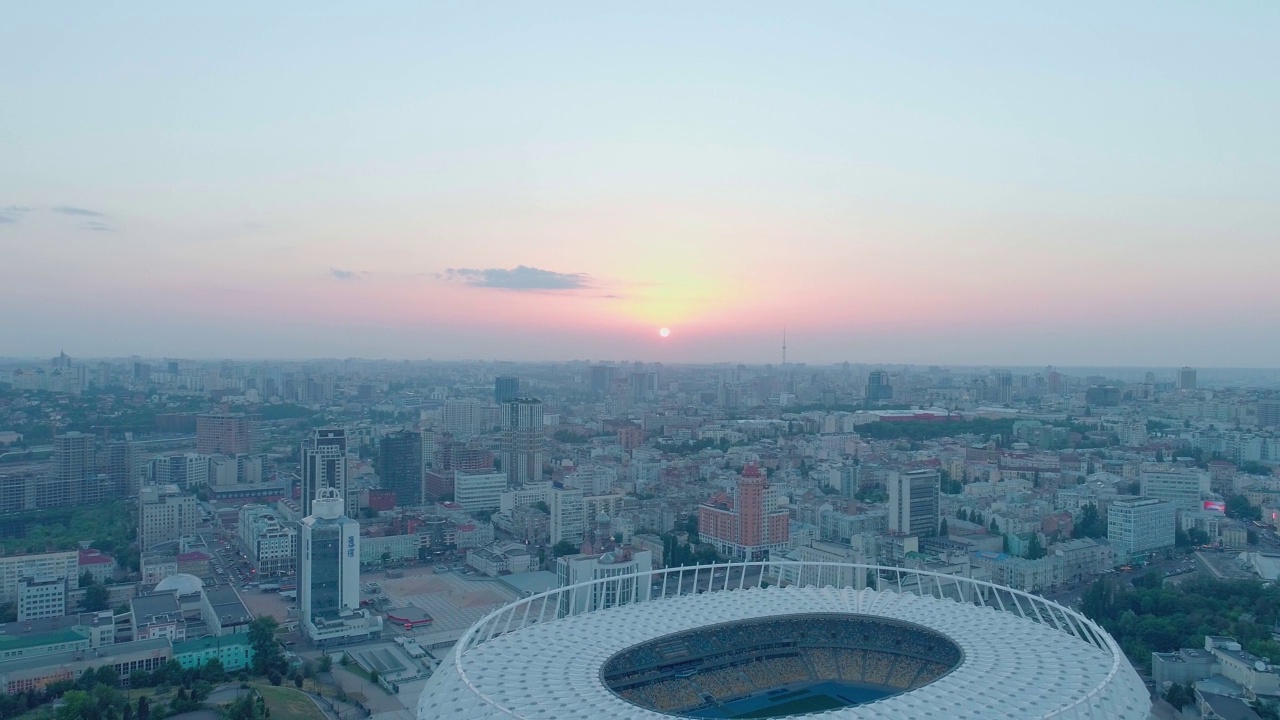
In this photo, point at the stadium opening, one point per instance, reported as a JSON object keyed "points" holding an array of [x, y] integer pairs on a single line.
{"points": [[780, 666]]}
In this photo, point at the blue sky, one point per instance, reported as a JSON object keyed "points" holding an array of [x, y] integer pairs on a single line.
{"points": [[927, 183]]}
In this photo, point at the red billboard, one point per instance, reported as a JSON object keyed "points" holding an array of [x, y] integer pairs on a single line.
{"points": [[1215, 506]]}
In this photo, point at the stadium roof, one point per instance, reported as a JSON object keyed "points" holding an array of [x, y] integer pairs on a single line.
{"points": [[1013, 667]]}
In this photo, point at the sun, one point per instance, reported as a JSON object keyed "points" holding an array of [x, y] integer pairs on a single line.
{"points": [[664, 331]]}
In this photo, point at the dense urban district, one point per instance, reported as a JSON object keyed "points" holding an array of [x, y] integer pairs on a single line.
{"points": [[308, 539]]}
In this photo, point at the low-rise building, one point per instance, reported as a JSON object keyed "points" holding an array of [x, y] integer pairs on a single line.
{"points": [[235, 652]]}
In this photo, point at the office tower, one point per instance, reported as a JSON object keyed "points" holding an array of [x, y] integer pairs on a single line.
{"points": [[479, 490], [644, 387], [400, 466], [1136, 527], [224, 433], [1269, 412], [750, 525], [324, 464], [1187, 379], [1002, 386], [878, 387], [463, 418], [522, 441], [329, 574], [914, 504], [506, 389], [567, 523], [165, 514], [601, 379]]}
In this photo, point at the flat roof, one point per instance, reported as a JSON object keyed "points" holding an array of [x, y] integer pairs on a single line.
{"points": [[66, 658]]}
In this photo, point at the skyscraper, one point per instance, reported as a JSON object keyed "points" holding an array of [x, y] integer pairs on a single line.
{"points": [[400, 466], [329, 574], [74, 467], [878, 387], [522, 441], [601, 379], [914, 503], [506, 389], [324, 464], [224, 433], [1187, 378]]}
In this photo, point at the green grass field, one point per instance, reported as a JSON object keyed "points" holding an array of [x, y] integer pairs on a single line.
{"points": [[289, 704], [809, 704]]}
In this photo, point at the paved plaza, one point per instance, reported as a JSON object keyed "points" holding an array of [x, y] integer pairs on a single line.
{"points": [[453, 600]]}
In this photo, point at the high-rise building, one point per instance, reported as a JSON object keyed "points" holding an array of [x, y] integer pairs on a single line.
{"points": [[329, 574], [914, 502], [74, 464], [324, 464], [478, 491], [878, 387], [224, 433], [1136, 527], [1269, 412], [1187, 378], [601, 379], [506, 389], [749, 524], [522, 441], [400, 466], [165, 514], [1002, 386], [463, 418], [123, 467], [567, 523]]}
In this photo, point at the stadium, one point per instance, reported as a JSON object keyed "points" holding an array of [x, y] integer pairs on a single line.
{"points": [[729, 641]]}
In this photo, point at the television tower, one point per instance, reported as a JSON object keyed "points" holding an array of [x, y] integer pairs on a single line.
{"points": [[784, 345]]}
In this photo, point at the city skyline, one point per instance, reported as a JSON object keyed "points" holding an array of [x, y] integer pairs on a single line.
{"points": [[1031, 186]]}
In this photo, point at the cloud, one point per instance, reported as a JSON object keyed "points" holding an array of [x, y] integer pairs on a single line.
{"points": [[521, 278], [345, 274], [97, 226], [68, 210], [12, 213]]}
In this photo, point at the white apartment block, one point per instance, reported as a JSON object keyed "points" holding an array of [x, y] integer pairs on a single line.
{"points": [[1184, 488], [56, 565], [1139, 526], [44, 597], [165, 514], [270, 545], [567, 515], [479, 491], [525, 496]]}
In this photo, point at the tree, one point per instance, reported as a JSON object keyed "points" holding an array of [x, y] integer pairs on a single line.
{"points": [[564, 547], [86, 579], [1178, 696], [1035, 550], [542, 505], [326, 663], [1090, 524], [1238, 507], [994, 527], [267, 656], [96, 598], [373, 676], [77, 705], [274, 677], [144, 708], [943, 530], [297, 680]]}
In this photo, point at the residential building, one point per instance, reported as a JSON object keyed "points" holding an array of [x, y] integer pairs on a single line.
{"points": [[41, 597], [914, 502], [567, 522], [224, 433], [506, 389], [749, 524], [463, 418], [165, 514], [75, 470]]}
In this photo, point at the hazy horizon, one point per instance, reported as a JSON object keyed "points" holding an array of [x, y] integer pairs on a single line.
{"points": [[1003, 185]]}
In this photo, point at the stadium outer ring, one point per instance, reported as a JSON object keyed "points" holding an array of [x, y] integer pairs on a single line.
{"points": [[979, 593]]}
